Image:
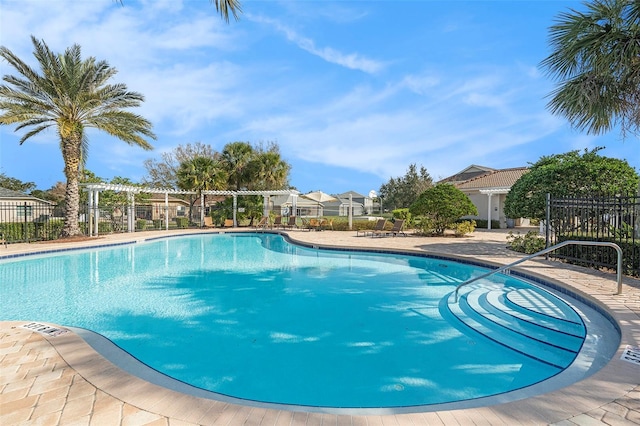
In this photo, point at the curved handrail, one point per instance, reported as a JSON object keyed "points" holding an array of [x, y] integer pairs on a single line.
{"points": [[547, 250]]}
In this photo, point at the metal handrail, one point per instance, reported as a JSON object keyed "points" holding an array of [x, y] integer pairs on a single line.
{"points": [[545, 251]]}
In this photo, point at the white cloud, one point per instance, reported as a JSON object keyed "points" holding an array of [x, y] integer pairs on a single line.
{"points": [[353, 61]]}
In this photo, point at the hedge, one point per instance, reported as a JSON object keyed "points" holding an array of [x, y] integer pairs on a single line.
{"points": [[601, 256]]}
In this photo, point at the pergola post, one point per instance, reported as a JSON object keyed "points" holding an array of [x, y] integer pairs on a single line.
{"points": [[131, 214], [350, 212], [90, 212], [235, 209], [265, 205], [166, 211], [489, 210], [201, 209], [97, 211]]}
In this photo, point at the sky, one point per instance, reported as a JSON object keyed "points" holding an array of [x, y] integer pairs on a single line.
{"points": [[353, 92]]}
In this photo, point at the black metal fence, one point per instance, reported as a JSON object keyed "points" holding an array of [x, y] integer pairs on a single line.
{"points": [[613, 219], [41, 221]]}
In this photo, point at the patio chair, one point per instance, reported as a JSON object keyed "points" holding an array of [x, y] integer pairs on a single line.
{"points": [[379, 226], [208, 222], [264, 222], [291, 223], [228, 223], [326, 224], [306, 224], [398, 228], [277, 222]]}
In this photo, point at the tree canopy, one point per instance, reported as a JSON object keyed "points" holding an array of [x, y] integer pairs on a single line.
{"points": [[441, 206], [569, 174], [595, 57], [400, 192]]}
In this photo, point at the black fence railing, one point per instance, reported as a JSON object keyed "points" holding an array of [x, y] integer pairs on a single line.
{"points": [[613, 219], [36, 220]]}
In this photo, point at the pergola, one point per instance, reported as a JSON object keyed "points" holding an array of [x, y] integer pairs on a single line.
{"points": [[94, 190]]}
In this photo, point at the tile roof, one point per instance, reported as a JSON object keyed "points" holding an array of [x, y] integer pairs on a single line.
{"points": [[504, 178]]}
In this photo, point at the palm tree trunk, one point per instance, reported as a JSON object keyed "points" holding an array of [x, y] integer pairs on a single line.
{"points": [[71, 153]]}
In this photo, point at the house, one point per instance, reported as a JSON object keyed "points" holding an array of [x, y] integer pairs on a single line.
{"points": [[16, 206], [360, 204], [488, 188], [283, 205], [154, 208]]}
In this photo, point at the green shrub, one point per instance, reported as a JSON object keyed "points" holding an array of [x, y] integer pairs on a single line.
{"points": [[482, 224], [104, 228], [403, 214], [600, 255], [443, 204], [182, 222], [141, 224], [465, 227], [529, 243]]}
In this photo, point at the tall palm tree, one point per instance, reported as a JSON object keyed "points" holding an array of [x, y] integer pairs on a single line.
{"points": [[596, 58], [70, 94], [237, 158], [272, 171]]}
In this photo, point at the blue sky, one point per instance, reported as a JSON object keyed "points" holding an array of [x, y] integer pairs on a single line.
{"points": [[352, 91]]}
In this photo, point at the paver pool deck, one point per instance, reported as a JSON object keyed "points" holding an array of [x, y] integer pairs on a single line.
{"points": [[62, 380]]}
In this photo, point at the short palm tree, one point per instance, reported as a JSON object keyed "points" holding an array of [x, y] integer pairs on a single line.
{"points": [[596, 59], [70, 95], [201, 174]]}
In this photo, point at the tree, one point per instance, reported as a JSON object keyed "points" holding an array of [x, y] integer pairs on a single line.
{"points": [[442, 205], [400, 192], [596, 59], [201, 174], [163, 173], [569, 174], [16, 184], [70, 94], [224, 7], [271, 171], [236, 158]]}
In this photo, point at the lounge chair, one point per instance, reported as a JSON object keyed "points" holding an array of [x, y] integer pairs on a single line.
{"points": [[291, 223], [306, 224], [379, 226], [208, 222], [228, 223], [397, 229], [264, 222], [277, 222], [326, 224]]}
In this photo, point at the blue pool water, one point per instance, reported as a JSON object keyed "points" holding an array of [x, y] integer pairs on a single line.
{"points": [[254, 317]]}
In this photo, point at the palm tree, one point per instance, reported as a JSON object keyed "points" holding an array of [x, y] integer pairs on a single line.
{"points": [[237, 158], [596, 58], [226, 6], [201, 174], [273, 171], [70, 95]]}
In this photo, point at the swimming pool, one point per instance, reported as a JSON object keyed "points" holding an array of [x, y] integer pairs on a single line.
{"points": [[256, 318]]}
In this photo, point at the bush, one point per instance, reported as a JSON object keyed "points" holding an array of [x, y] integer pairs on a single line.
{"points": [[465, 227], [529, 243], [443, 205], [601, 256], [182, 222], [402, 214], [141, 224], [483, 224]]}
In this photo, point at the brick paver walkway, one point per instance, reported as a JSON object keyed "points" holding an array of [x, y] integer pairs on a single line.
{"points": [[62, 381]]}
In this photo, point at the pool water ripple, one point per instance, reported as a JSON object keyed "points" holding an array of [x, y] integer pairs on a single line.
{"points": [[254, 317]]}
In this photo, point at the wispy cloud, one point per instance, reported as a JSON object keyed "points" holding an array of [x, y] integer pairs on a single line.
{"points": [[352, 61]]}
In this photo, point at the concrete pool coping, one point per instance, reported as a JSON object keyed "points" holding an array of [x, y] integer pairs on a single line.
{"points": [[59, 380]]}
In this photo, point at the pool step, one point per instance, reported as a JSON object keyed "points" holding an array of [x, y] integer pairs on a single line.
{"points": [[529, 321]]}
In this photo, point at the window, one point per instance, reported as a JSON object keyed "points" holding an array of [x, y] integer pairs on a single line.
{"points": [[24, 211]]}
